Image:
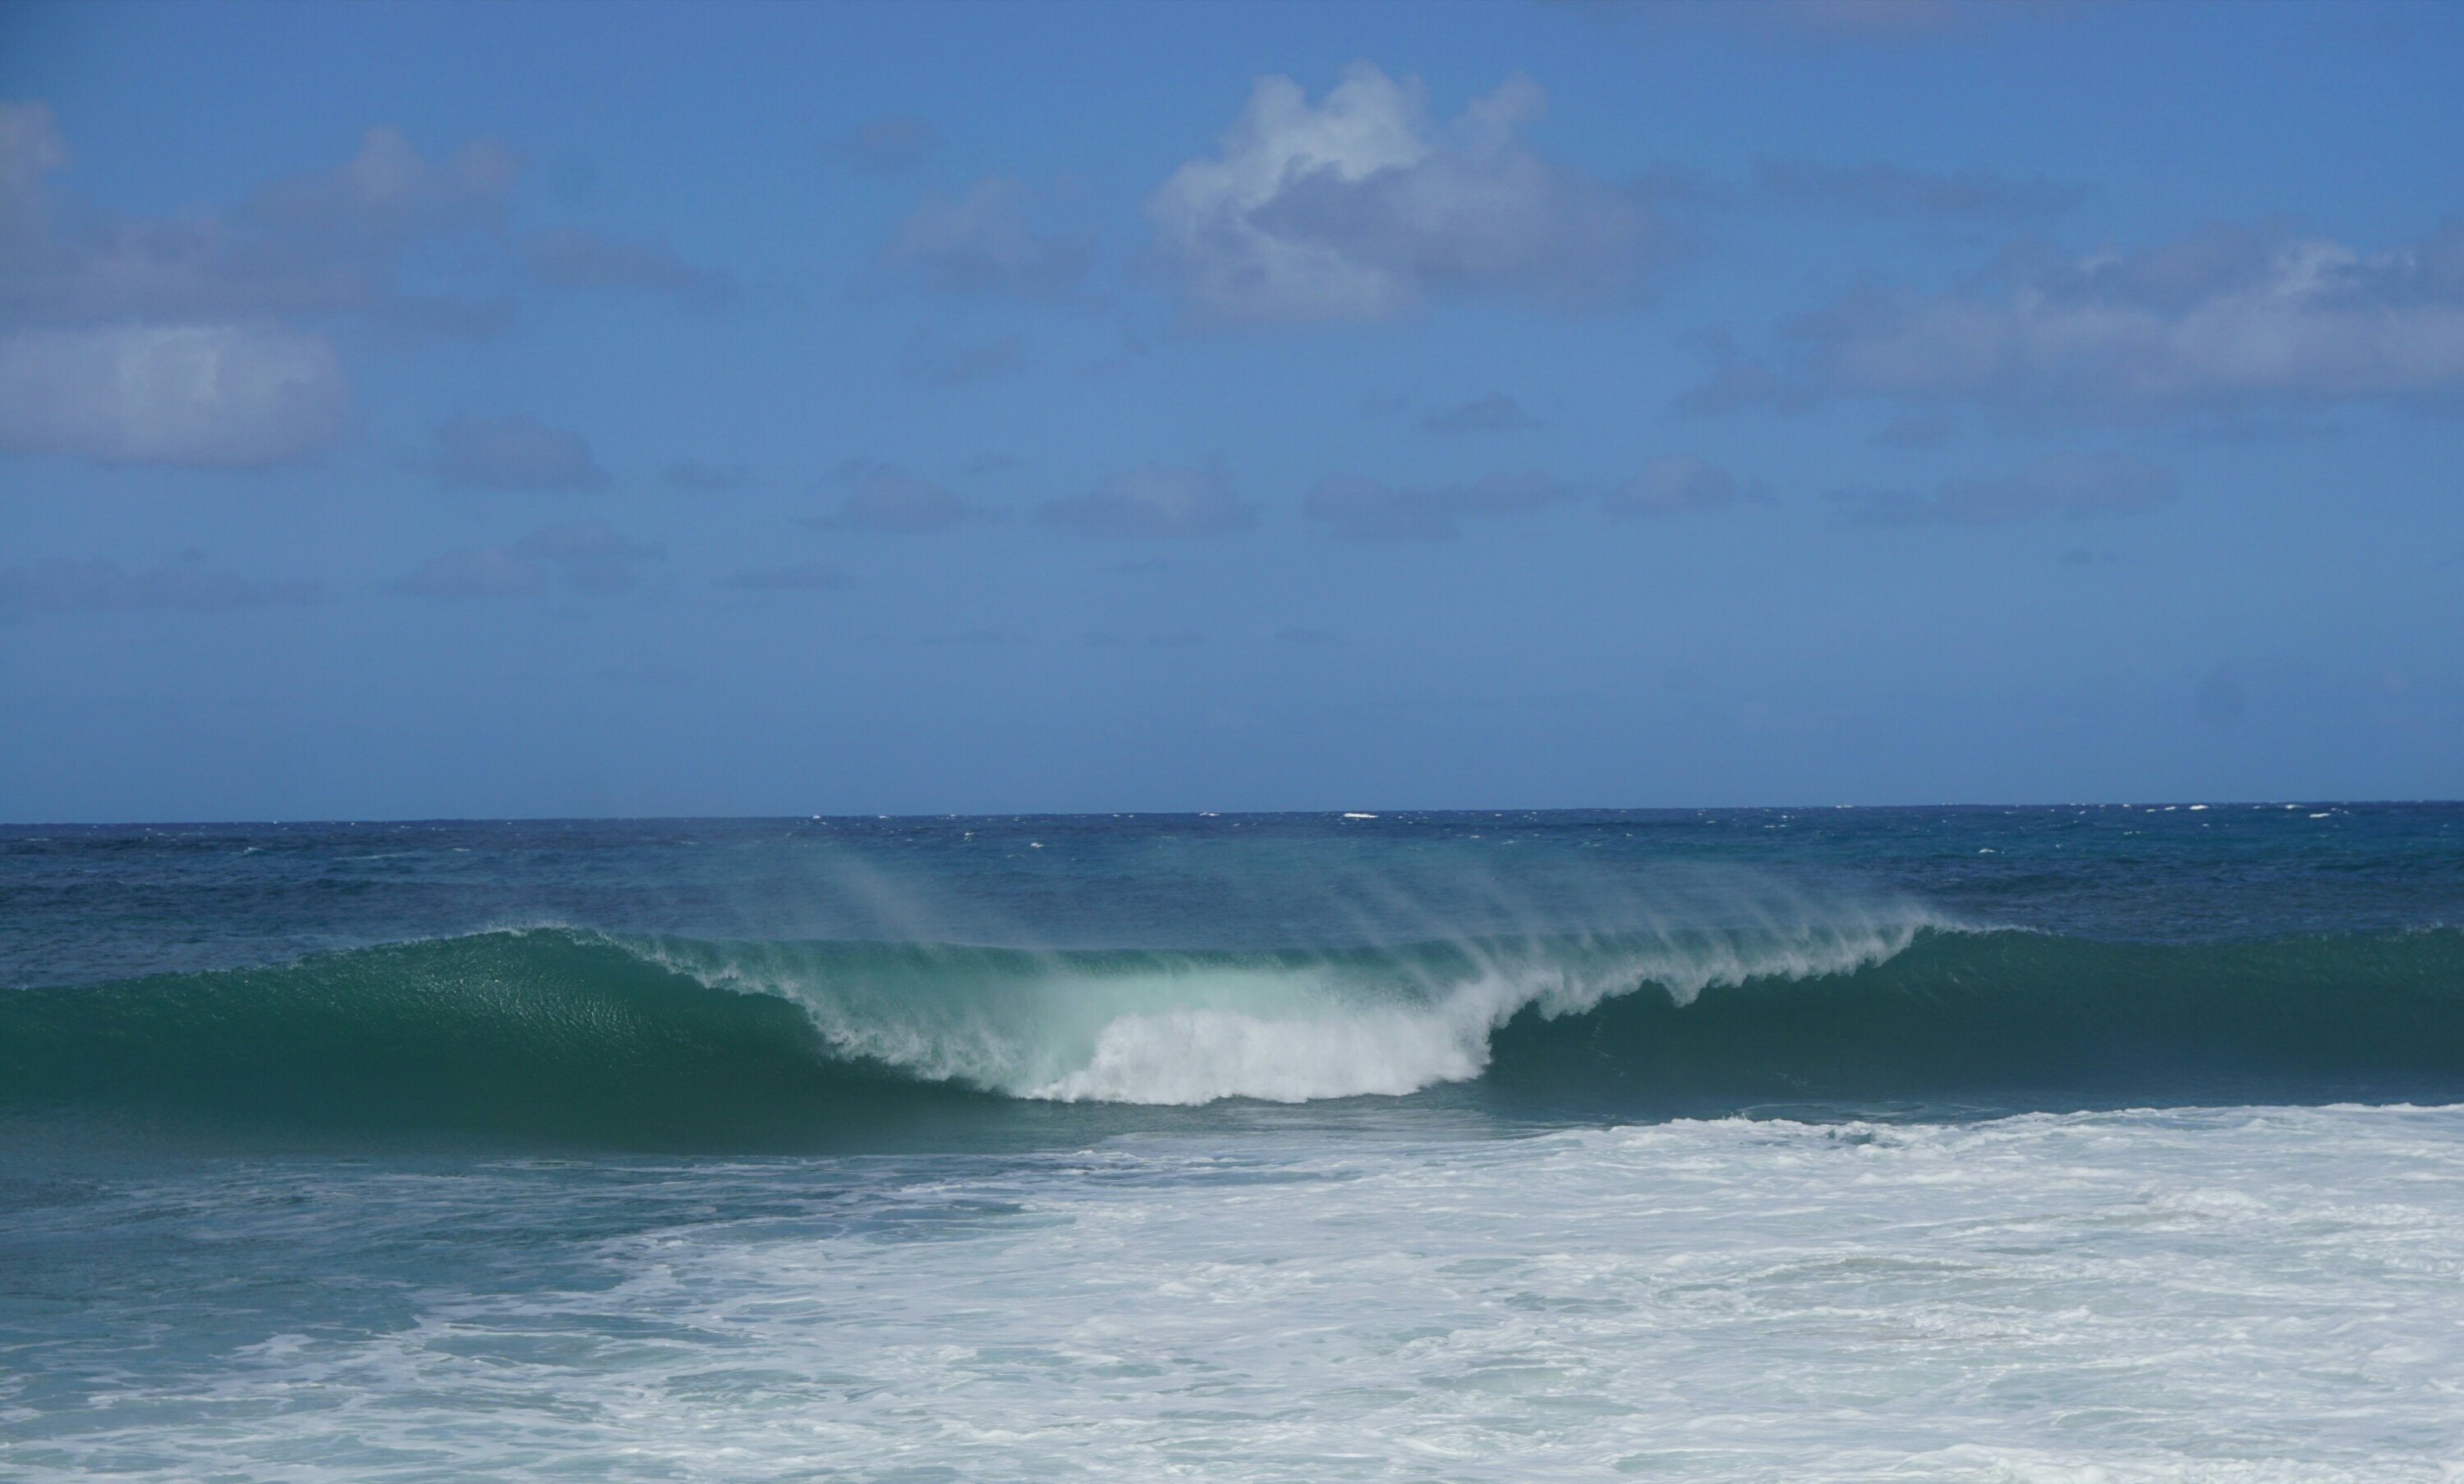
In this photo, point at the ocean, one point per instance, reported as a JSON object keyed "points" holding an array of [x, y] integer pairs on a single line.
{"points": [[2090, 1143]]}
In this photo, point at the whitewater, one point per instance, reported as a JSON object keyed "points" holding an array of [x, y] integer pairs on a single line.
{"points": [[2077, 1143]]}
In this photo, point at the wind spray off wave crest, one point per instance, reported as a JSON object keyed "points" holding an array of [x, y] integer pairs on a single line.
{"points": [[1187, 1028], [559, 1037]]}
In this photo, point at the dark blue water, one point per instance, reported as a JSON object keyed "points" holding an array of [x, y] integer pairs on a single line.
{"points": [[1290, 1146], [790, 984], [84, 902]]}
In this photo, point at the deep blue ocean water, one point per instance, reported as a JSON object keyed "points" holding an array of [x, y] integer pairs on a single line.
{"points": [[1723, 1144]]}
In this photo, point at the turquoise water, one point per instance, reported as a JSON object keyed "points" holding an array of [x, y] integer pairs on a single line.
{"points": [[1784, 1144]]}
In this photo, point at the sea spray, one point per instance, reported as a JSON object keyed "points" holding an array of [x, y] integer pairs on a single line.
{"points": [[583, 1037]]}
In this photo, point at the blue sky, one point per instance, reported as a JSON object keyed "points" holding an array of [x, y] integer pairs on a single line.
{"points": [[551, 409]]}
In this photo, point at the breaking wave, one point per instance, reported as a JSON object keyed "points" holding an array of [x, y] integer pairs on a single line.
{"points": [[572, 1035]]}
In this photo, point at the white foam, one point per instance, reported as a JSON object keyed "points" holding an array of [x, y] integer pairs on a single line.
{"points": [[2221, 1297], [1191, 1028], [1199, 1056]]}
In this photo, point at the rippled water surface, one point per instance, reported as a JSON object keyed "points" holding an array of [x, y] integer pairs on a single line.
{"points": [[2060, 1145]]}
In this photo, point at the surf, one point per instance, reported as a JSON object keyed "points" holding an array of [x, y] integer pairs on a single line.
{"points": [[567, 1036]]}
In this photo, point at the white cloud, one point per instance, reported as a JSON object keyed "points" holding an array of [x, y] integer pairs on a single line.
{"points": [[318, 242], [2221, 320], [389, 192], [227, 396], [1359, 207], [1156, 500]]}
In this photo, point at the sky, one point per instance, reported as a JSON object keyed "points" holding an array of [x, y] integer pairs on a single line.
{"points": [[537, 410]]}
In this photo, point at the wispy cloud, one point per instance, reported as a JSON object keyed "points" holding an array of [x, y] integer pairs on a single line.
{"points": [[941, 363], [2068, 486], [703, 477], [1831, 22], [587, 556], [2227, 320], [1155, 501], [886, 145], [881, 497], [1371, 510], [514, 454], [224, 396], [1000, 236], [802, 576], [1494, 413], [567, 257], [1673, 484], [1881, 189], [321, 243], [72, 587]]}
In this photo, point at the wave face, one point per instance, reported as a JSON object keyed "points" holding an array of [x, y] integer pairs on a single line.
{"points": [[567, 1036]]}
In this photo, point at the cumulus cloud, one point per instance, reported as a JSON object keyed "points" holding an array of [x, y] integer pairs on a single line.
{"points": [[1370, 509], [314, 244], [999, 237], [2229, 320], [225, 396], [201, 338], [1891, 190], [2068, 486], [569, 258], [1359, 207], [517, 453], [802, 576], [388, 191], [1154, 501], [587, 556], [1494, 413], [881, 497], [67, 587], [1670, 484]]}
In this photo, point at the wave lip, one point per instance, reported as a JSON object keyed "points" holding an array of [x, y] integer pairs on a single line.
{"points": [[1184, 1028], [565, 1036]]}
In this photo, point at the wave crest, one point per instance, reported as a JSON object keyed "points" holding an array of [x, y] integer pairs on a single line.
{"points": [[573, 1036], [1189, 1028]]}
